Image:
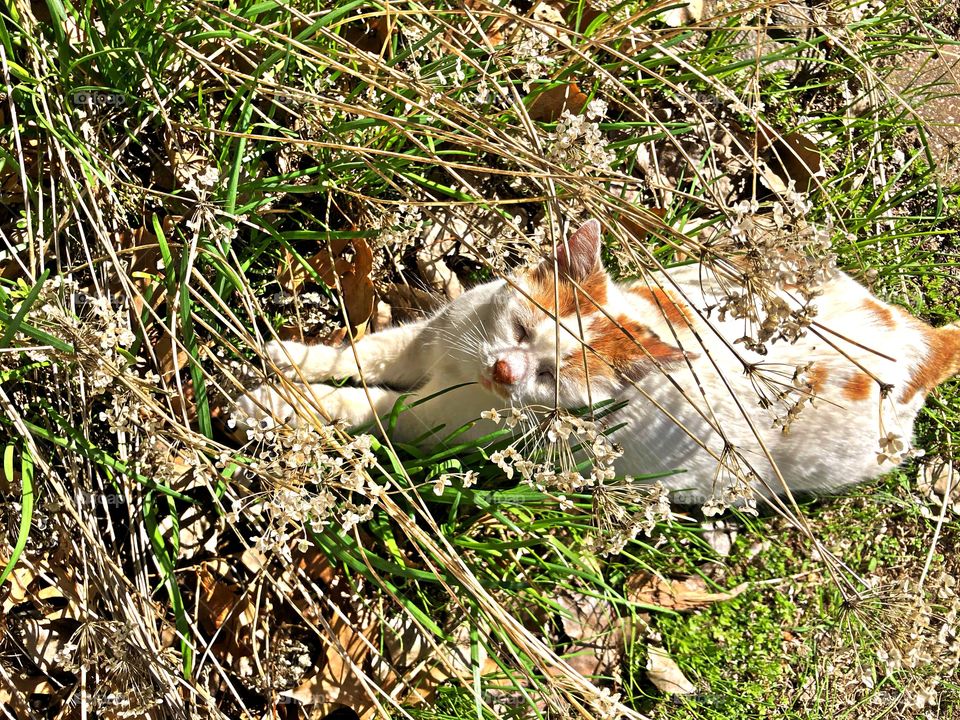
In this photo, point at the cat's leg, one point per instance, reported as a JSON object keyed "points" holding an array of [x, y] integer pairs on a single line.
{"points": [[316, 403], [385, 357]]}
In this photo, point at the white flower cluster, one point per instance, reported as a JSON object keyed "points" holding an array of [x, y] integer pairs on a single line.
{"points": [[464, 480], [783, 389], [577, 142], [622, 510], [399, 229], [559, 442], [119, 670], [99, 333], [777, 260], [530, 52], [734, 485], [916, 648], [894, 449], [315, 480], [547, 455]]}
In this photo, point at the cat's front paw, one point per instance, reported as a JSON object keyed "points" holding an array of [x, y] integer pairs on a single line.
{"points": [[297, 361], [286, 355]]}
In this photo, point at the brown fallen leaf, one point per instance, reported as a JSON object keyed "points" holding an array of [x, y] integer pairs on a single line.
{"points": [[43, 641], [596, 631], [348, 259], [935, 478], [16, 586], [438, 275], [337, 684], [550, 104], [16, 690], [229, 614], [191, 160], [409, 303], [197, 531], [645, 220], [12, 172], [495, 22], [574, 11], [140, 251], [371, 35], [665, 674], [791, 156], [680, 595], [681, 15]]}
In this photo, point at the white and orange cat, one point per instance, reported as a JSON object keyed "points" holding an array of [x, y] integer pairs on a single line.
{"points": [[689, 391]]}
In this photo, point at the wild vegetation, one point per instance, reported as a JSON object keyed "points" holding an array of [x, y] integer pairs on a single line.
{"points": [[182, 182]]}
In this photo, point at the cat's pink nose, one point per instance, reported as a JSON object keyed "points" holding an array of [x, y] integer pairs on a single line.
{"points": [[503, 373]]}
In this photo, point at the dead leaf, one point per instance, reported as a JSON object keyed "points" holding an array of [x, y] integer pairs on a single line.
{"points": [[596, 631], [409, 303], [220, 599], [43, 641], [228, 613], [572, 10], [495, 22], [550, 104], [348, 259], [676, 17], [168, 361], [140, 251], [935, 477], [550, 21], [383, 317], [680, 595], [337, 683], [370, 35], [438, 275], [16, 586], [199, 531], [720, 536], [640, 226], [314, 564], [423, 662], [665, 674], [792, 156], [12, 172], [191, 160], [23, 687]]}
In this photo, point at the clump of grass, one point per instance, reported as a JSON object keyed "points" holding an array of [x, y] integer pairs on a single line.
{"points": [[165, 167]]}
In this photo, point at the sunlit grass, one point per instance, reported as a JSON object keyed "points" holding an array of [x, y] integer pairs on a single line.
{"points": [[177, 159]]}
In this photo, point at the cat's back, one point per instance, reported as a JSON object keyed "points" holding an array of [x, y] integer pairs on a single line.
{"points": [[853, 345], [821, 382]]}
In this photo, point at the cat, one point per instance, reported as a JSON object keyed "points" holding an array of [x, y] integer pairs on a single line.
{"points": [[836, 406]]}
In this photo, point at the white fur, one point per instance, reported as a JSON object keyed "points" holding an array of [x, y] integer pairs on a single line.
{"points": [[680, 422]]}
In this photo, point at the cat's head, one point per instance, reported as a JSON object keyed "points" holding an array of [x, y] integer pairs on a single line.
{"points": [[596, 344]]}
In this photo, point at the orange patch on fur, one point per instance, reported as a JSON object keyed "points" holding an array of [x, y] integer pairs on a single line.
{"points": [[674, 311], [857, 386], [817, 377], [882, 314], [622, 348], [565, 297], [941, 363]]}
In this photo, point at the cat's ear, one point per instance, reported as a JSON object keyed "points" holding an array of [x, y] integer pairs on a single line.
{"points": [[579, 257]]}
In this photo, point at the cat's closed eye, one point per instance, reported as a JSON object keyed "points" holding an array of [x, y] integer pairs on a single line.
{"points": [[546, 376]]}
